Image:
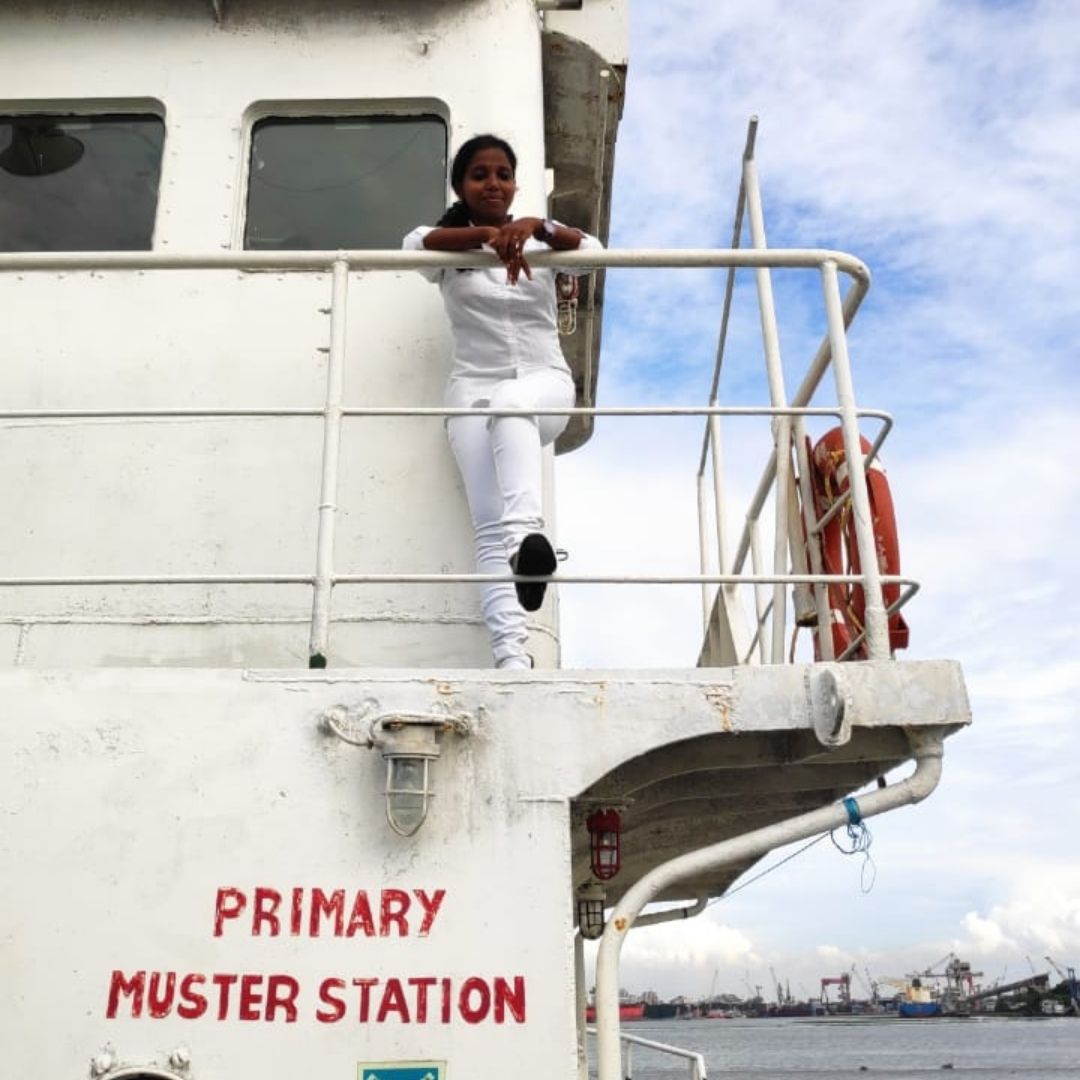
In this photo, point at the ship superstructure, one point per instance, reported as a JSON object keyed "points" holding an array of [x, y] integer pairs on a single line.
{"points": [[266, 807]]}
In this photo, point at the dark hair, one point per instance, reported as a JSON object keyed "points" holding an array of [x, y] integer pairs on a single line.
{"points": [[457, 214]]}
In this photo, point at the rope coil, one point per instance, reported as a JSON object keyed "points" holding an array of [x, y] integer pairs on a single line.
{"points": [[859, 839]]}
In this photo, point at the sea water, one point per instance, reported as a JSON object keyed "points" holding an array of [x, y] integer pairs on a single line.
{"points": [[863, 1048]]}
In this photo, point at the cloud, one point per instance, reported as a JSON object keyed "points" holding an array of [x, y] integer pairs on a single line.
{"points": [[985, 936], [1041, 916], [937, 141], [670, 961]]}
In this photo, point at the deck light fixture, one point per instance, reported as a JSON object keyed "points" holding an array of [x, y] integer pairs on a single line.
{"points": [[408, 749], [409, 743], [605, 843], [590, 911]]}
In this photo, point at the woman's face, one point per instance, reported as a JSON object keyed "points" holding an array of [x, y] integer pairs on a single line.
{"points": [[488, 187]]}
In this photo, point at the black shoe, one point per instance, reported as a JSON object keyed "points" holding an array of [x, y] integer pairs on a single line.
{"points": [[535, 558]]}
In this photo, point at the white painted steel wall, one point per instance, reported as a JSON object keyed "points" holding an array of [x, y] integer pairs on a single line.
{"points": [[162, 788], [215, 496], [131, 797]]}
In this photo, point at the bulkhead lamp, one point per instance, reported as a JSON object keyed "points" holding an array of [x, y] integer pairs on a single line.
{"points": [[409, 743], [590, 911], [408, 750], [605, 843]]}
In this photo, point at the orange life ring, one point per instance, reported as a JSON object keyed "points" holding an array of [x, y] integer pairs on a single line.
{"points": [[847, 603]]}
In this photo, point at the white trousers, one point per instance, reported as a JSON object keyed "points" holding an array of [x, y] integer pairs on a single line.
{"points": [[501, 464]]}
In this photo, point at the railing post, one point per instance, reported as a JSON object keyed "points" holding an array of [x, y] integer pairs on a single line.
{"points": [[782, 426], [760, 604], [718, 492], [703, 555], [328, 486], [877, 627], [819, 592]]}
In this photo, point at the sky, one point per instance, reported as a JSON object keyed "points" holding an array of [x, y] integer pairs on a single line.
{"points": [[939, 142]]}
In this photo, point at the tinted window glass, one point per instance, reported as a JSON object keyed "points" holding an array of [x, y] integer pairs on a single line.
{"points": [[319, 183], [79, 183]]}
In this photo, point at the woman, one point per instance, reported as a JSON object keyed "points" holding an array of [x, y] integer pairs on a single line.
{"points": [[506, 355]]}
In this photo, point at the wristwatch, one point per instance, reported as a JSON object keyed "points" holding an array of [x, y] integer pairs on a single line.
{"points": [[546, 232]]}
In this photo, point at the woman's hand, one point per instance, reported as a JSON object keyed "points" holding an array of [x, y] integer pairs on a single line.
{"points": [[509, 245]]}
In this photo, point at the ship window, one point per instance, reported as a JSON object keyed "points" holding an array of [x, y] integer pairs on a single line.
{"points": [[79, 183], [323, 183]]}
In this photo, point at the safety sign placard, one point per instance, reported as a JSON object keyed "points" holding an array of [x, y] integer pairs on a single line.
{"points": [[403, 1070]]}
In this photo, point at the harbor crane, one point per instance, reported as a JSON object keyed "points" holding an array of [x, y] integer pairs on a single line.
{"points": [[844, 984], [867, 983], [957, 973], [779, 988], [1068, 975]]}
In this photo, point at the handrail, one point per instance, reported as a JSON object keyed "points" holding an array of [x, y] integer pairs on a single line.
{"points": [[789, 434], [288, 261], [339, 263], [440, 411], [435, 579], [696, 1060]]}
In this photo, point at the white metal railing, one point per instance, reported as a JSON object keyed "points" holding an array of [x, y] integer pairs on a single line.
{"points": [[785, 415], [695, 1061], [789, 436]]}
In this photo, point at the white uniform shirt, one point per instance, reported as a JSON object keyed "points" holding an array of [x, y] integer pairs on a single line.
{"points": [[500, 330]]}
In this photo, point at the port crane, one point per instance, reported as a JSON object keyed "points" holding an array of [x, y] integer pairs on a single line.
{"points": [[843, 982], [868, 984], [776, 983], [957, 973], [1069, 977]]}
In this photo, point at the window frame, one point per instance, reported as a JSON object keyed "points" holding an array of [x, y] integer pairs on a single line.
{"points": [[323, 109], [99, 107]]}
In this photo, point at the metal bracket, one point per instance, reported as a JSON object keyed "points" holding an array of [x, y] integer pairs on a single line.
{"points": [[363, 725], [105, 1066], [830, 706]]}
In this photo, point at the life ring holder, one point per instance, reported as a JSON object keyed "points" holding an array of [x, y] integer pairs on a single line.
{"points": [[829, 483]]}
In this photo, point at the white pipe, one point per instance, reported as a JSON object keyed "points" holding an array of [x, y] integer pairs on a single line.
{"points": [[877, 625], [673, 914], [328, 487], [579, 1006], [927, 749]]}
